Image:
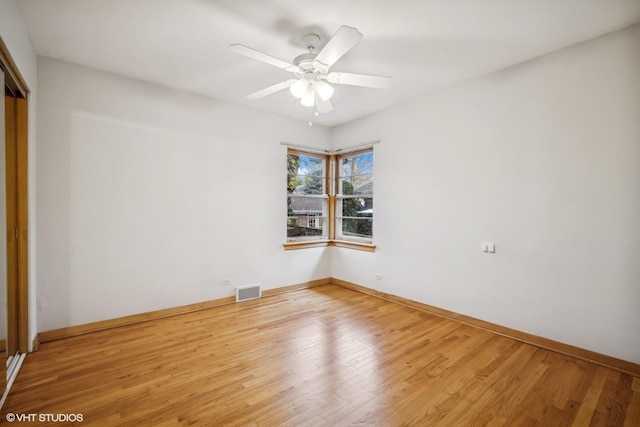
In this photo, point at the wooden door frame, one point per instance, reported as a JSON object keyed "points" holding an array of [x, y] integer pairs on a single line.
{"points": [[17, 84], [11, 171]]}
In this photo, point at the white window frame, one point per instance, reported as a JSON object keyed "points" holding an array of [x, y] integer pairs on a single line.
{"points": [[340, 198], [322, 221]]}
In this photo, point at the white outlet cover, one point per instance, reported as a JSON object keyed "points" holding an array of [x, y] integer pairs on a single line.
{"points": [[488, 247]]}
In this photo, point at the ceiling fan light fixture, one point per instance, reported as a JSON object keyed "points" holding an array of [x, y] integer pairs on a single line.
{"points": [[309, 98], [299, 87], [324, 90]]}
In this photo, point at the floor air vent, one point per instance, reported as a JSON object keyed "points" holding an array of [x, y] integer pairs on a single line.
{"points": [[247, 292]]}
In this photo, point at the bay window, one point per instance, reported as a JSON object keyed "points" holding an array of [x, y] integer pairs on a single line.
{"points": [[330, 199]]}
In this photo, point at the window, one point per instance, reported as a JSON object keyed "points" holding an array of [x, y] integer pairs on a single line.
{"points": [[312, 221], [306, 196], [330, 199], [355, 197]]}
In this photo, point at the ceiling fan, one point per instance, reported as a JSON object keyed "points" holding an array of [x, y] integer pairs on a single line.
{"points": [[311, 70]]}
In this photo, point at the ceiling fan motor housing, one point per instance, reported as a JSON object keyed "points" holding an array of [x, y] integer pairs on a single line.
{"points": [[313, 69], [311, 41]]}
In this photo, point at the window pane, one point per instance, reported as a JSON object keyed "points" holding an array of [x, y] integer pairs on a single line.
{"points": [[358, 184], [305, 205], [305, 225], [357, 227], [356, 173], [306, 174], [305, 216], [357, 207]]}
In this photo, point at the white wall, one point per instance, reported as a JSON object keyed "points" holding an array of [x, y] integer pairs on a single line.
{"points": [[544, 160], [14, 33], [148, 197]]}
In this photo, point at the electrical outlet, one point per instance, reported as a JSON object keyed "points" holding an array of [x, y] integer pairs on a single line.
{"points": [[226, 281], [488, 247], [378, 276]]}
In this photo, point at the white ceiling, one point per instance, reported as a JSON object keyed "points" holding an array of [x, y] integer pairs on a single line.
{"points": [[423, 44]]}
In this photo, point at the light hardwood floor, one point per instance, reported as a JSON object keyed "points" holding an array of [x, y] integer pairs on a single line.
{"points": [[325, 356]]}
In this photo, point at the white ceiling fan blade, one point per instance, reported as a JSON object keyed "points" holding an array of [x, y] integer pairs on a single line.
{"points": [[376, 82], [323, 106], [271, 89], [263, 57], [341, 42]]}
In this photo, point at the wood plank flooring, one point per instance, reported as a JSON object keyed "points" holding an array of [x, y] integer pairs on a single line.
{"points": [[325, 356]]}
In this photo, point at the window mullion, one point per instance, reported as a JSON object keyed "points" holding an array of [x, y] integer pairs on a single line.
{"points": [[331, 190]]}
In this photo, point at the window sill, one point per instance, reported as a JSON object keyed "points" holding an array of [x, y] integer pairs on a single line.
{"points": [[304, 244], [367, 247]]}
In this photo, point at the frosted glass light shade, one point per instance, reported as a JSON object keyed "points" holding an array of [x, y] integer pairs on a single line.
{"points": [[308, 99], [325, 91], [298, 88]]}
